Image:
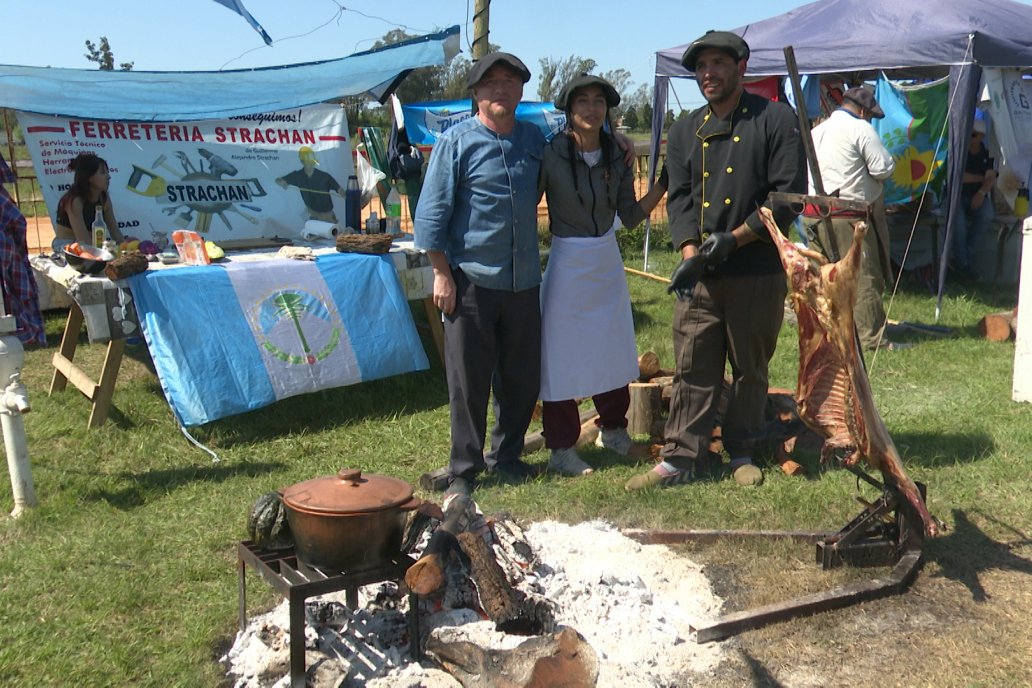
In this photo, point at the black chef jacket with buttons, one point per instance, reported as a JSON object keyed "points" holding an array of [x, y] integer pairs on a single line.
{"points": [[721, 171]]}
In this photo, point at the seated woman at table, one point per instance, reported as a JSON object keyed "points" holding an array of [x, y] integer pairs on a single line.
{"points": [[78, 207]]}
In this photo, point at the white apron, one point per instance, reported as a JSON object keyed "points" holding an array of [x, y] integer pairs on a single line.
{"points": [[587, 332]]}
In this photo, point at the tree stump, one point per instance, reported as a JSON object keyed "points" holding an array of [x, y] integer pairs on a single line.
{"points": [[645, 407]]}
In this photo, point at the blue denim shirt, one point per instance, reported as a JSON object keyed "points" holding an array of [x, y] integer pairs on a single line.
{"points": [[478, 204]]}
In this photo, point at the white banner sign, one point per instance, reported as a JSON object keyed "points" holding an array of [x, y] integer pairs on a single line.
{"points": [[1010, 105], [244, 178]]}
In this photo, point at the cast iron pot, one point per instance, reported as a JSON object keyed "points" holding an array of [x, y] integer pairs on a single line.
{"points": [[349, 521]]}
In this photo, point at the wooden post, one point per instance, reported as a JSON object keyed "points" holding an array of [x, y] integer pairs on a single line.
{"points": [[481, 30], [644, 409]]}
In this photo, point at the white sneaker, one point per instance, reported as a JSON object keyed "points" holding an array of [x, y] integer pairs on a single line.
{"points": [[615, 440], [568, 462]]}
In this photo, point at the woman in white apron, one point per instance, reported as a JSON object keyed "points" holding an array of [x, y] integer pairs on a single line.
{"points": [[587, 333]]}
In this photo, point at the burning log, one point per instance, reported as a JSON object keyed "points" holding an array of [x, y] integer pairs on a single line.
{"points": [[834, 392], [561, 659], [427, 575], [511, 610]]}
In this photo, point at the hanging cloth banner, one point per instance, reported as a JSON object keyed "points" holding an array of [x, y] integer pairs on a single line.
{"points": [[424, 122], [239, 8], [241, 178], [1010, 109], [914, 131]]}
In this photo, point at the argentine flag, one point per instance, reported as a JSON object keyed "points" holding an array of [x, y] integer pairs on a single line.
{"points": [[226, 339]]}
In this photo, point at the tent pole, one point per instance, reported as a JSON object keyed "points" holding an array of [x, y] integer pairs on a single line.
{"points": [[811, 154]]}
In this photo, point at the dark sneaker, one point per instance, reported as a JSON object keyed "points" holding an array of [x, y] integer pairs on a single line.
{"points": [[460, 486], [436, 480], [516, 471]]}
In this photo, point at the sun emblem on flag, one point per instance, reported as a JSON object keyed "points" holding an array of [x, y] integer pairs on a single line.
{"points": [[297, 328]]}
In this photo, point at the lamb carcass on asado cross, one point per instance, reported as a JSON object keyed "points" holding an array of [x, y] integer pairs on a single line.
{"points": [[834, 392]]}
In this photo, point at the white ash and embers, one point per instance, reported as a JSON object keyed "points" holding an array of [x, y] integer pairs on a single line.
{"points": [[633, 603]]}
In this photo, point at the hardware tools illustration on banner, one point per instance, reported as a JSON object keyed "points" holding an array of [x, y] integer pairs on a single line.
{"points": [[196, 195]]}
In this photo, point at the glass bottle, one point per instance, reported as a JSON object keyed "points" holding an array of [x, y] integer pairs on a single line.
{"points": [[353, 206], [99, 231]]}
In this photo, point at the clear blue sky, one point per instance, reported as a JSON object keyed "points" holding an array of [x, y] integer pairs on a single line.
{"points": [[204, 35]]}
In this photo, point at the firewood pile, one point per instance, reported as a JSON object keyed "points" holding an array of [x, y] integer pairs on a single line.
{"points": [[650, 405]]}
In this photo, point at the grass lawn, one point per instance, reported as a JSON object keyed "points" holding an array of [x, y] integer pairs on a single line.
{"points": [[125, 574]]}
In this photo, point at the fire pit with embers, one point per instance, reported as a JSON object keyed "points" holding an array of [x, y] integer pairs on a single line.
{"points": [[615, 604]]}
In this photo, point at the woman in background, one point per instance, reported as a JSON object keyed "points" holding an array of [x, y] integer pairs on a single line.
{"points": [[587, 339], [77, 208]]}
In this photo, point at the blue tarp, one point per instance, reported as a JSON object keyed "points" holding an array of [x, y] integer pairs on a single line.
{"points": [[425, 122], [191, 96]]}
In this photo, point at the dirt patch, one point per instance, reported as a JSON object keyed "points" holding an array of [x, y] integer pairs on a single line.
{"points": [[941, 632], [39, 232]]}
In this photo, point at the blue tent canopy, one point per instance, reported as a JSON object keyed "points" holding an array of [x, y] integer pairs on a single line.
{"points": [[189, 96], [903, 38]]}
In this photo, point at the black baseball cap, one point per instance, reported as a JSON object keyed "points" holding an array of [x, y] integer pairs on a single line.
{"points": [[720, 40], [480, 67], [865, 99], [583, 81]]}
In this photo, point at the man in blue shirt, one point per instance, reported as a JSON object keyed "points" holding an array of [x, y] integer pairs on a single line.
{"points": [[477, 221]]}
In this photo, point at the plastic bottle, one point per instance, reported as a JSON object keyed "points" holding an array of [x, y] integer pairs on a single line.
{"points": [[353, 206], [394, 211], [372, 225], [99, 231]]}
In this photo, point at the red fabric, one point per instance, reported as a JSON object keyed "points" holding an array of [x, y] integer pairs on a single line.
{"points": [[21, 296], [769, 88]]}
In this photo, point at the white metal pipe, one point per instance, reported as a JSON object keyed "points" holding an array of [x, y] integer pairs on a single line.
{"points": [[1022, 380], [14, 401]]}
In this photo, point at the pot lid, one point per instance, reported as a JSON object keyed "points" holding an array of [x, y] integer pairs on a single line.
{"points": [[348, 492]]}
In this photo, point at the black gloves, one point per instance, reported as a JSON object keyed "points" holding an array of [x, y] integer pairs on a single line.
{"points": [[718, 247], [714, 251], [685, 275]]}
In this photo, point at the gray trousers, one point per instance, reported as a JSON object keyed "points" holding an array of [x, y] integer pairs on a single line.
{"points": [[492, 340], [734, 319]]}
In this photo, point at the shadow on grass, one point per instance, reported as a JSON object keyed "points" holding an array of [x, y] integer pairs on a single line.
{"points": [[760, 675], [150, 485], [378, 400], [935, 450], [967, 552]]}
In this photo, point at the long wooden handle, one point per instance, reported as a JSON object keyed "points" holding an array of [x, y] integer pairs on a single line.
{"points": [[648, 275]]}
